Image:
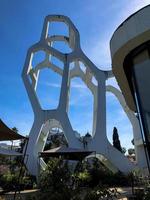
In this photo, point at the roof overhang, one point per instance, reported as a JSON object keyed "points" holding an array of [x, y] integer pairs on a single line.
{"points": [[9, 152], [133, 32], [67, 153], [8, 134]]}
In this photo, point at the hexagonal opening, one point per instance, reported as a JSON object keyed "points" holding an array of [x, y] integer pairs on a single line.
{"points": [[94, 81], [82, 66], [56, 61], [48, 88], [116, 117], [62, 46], [58, 28], [80, 110], [38, 57]]}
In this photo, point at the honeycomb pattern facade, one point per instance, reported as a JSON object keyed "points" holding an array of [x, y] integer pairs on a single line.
{"points": [[45, 120]]}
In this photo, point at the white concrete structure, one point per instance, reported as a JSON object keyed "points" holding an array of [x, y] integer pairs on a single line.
{"points": [[130, 52], [138, 142], [94, 78]]}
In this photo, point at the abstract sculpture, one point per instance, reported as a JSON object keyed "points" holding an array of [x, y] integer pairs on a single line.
{"points": [[45, 120]]}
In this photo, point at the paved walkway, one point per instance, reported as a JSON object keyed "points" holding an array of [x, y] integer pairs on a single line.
{"points": [[124, 192]]}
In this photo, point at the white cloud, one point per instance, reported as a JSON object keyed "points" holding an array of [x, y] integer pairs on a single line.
{"points": [[132, 7], [81, 97], [99, 51], [73, 85], [55, 85], [78, 85]]}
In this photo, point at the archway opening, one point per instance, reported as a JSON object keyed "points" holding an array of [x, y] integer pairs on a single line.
{"points": [[55, 138]]}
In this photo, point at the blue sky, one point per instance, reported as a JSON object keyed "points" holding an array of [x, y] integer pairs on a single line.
{"points": [[20, 26]]}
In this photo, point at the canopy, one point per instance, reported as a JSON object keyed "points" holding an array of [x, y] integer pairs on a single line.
{"points": [[8, 152], [66, 152], [8, 134]]}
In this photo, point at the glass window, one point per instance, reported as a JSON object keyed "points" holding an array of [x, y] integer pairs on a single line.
{"points": [[141, 68]]}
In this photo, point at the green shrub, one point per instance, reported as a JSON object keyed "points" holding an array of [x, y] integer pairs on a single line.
{"points": [[101, 192], [58, 182], [147, 194], [82, 179], [56, 176], [9, 181]]}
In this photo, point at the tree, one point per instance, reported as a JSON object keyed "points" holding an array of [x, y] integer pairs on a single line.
{"points": [[131, 151], [15, 129], [124, 150], [116, 141], [132, 141]]}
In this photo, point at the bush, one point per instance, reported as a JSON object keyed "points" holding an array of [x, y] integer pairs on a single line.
{"points": [[28, 182], [8, 181], [147, 194], [56, 176], [81, 179], [101, 192], [57, 181]]}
